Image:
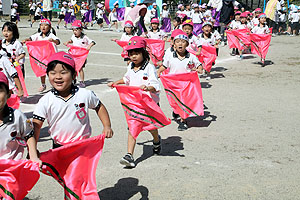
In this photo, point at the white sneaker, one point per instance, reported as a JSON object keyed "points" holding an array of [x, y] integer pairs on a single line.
{"points": [[208, 78]]}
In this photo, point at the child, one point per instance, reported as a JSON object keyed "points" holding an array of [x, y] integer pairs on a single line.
{"points": [[114, 16], [66, 106], [80, 39], [37, 14], [244, 24], [62, 13], [153, 11], [155, 32], [165, 18], [15, 128], [188, 27], [136, 71], [294, 18], [177, 23], [44, 33], [99, 15], [14, 13], [180, 10], [197, 19], [12, 45], [32, 7], [83, 11], [180, 61], [233, 25], [188, 11], [72, 15], [255, 20]]}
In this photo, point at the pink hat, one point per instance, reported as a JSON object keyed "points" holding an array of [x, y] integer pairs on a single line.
{"points": [[181, 35], [175, 32], [3, 79], [247, 12], [131, 4], [136, 42], [45, 21], [62, 57], [262, 15], [15, 5], [128, 24], [188, 22], [77, 24], [99, 5], [237, 13], [179, 6], [154, 21], [236, 8], [257, 10], [244, 14]]}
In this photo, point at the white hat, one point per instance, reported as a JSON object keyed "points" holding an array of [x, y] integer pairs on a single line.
{"points": [[64, 3], [116, 3]]}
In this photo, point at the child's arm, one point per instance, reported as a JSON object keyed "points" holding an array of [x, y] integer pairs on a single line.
{"points": [[148, 88], [68, 42], [19, 86], [104, 117], [199, 50], [90, 46], [20, 57], [57, 42], [111, 84], [27, 39], [32, 150], [160, 70], [37, 125]]}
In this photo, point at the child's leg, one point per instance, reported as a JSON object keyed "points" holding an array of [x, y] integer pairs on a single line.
{"points": [[43, 86], [81, 74], [156, 141], [130, 143], [155, 135], [128, 160]]}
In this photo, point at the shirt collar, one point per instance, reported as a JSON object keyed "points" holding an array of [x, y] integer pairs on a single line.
{"points": [[144, 65], [11, 42], [187, 54], [74, 89], [8, 114], [47, 34]]}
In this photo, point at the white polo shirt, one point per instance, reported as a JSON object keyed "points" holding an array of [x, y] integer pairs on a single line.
{"points": [[146, 75], [68, 120], [211, 40], [38, 11], [99, 13], [234, 24], [188, 13], [165, 14], [126, 37], [9, 70], [197, 18], [178, 66], [39, 36], [159, 34], [260, 30], [15, 48], [193, 39], [82, 41], [13, 12], [255, 21], [13, 130], [63, 11]]}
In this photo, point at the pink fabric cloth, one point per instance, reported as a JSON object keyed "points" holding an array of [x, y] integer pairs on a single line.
{"points": [[260, 44], [21, 77], [124, 45], [157, 50], [239, 38], [141, 111], [79, 54], [39, 53], [184, 93], [14, 101], [17, 178]]}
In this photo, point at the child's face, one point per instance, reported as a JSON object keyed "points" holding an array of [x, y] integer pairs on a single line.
{"points": [[262, 20], [243, 20], [117, 6], [237, 17], [188, 7], [7, 34], [188, 29], [197, 9], [154, 7], [180, 45], [182, 8], [61, 78], [136, 57], [207, 29], [154, 26], [3, 96], [175, 23], [45, 28], [77, 32], [165, 7], [257, 13], [128, 30]]}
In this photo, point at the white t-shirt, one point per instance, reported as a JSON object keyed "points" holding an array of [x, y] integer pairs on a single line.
{"points": [[188, 13], [165, 14], [32, 6], [126, 37], [63, 11], [255, 21], [9, 70], [178, 66], [83, 11], [13, 12], [152, 12], [159, 35], [193, 39], [146, 75], [211, 41], [38, 11], [99, 13], [82, 41], [294, 17], [261, 30], [47, 5], [114, 16], [15, 48], [234, 24], [39, 36], [242, 26], [68, 120], [197, 18], [14, 128]]}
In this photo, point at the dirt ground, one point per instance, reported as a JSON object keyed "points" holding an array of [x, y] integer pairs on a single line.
{"points": [[245, 147]]}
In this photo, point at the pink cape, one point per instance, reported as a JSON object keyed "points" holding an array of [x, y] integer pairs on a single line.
{"points": [[260, 44], [39, 53], [141, 112], [74, 167], [17, 178], [79, 54], [14, 101], [123, 45], [184, 93], [207, 56], [239, 38], [21, 77]]}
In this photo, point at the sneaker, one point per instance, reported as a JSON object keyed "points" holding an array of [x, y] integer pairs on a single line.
{"points": [[109, 26], [208, 78], [182, 126], [42, 88], [128, 161], [31, 25], [273, 35], [57, 27], [176, 117], [82, 84], [241, 57], [157, 146]]}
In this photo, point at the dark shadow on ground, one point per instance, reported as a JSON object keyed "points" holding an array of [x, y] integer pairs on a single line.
{"points": [[218, 69], [205, 85], [202, 121], [32, 99], [124, 189], [216, 75], [267, 62], [96, 81]]}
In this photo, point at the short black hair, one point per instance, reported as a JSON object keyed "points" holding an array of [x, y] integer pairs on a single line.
{"points": [[6, 87], [178, 20], [53, 64], [12, 27], [145, 53]]}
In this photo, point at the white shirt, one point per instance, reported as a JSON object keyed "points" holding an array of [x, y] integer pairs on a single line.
{"points": [[32, 6], [9, 70], [15, 48], [197, 17], [47, 5], [214, 3], [255, 21], [126, 37], [146, 75], [282, 17], [260, 30], [294, 17], [14, 128], [234, 24], [13, 12], [83, 11], [152, 12], [114, 16], [63, 11], [165, 14], [82, 41], [68, 120], [242, 26], [207, 13], [193, 39], [188, 13], [39, 36], [38, 11], [159, 34], [211, 41], [178, 66], [99, 13]]}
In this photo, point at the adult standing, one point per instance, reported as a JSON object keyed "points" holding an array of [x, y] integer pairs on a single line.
{"points": [[47, 8], [272, 12], [92, 7], [137, 16]]}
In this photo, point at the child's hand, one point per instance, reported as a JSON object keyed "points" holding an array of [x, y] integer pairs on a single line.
{"points": [[51, 40], [20, 93], [108, 132], [158, 73], [144, 87], [88, 48], [66, 43], [110, 84], [199, 70], [38, 161], [113, 40]]}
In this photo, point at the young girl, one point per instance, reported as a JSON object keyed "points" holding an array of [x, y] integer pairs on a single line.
{"points": [[155, 32], [66, 106], [12, 45], [243, 25], [37, 14], [44, 33], [153, 11], [188, 27], [113, 16], [233, 25], [166, 19], [99, 15], [83, 11], [177, 23], [80, 39], [181, 61], [14, 13], [62, 13], [32, 7], [197, 19], [136, 71], [15, 129], [180, 10]]}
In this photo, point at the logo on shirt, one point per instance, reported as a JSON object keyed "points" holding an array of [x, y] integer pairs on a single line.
{"points": [[191, 65], [145, 76], [80, 111]]}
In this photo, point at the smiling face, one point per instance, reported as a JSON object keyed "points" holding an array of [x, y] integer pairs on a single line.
{"points": [[136, 57], [262, 20], [7, 34], [45, 28], [3, 96], [188, 29], [61, 78], [237, 17], [180, 45]]}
